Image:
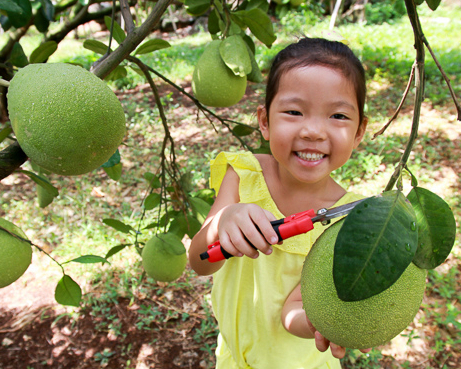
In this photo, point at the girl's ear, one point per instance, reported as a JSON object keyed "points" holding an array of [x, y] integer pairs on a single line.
{"points": [[361, 132], [263, 121]]}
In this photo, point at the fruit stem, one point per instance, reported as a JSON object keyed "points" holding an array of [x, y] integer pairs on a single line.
{"points": [[4, 83]]}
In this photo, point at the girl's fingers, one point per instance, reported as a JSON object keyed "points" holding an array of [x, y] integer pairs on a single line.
{"points": [[321, 342], [337, 351]]}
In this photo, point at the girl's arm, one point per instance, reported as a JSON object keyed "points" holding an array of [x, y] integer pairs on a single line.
{"points": [[231, 222], [295, 321]]}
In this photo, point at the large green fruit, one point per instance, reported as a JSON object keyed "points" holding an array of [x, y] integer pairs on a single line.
{"points": [[164, 257], [358, 324], [15, 254], [65, 119], [213, 83]]}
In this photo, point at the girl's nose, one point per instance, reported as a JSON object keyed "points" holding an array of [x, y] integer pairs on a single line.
{"points": [[313, 130]]}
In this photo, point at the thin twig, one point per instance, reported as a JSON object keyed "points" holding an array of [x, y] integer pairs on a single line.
{"points": [[127, 17], [404, 97], [447, 80]]}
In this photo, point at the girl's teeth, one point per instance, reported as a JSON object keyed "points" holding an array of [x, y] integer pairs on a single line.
{"points": [[310, 156]]}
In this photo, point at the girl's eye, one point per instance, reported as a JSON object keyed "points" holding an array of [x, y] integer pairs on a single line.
{"points": [[293, 112], [339, 116]]}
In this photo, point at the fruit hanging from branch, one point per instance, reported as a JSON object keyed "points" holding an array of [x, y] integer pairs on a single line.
{"points": [[65, 119]]}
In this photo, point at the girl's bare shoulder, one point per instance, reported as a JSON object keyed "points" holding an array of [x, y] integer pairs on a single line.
{"points": [[266, 161]]}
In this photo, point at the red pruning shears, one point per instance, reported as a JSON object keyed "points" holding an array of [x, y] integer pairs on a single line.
{"points": [[293, 225]]}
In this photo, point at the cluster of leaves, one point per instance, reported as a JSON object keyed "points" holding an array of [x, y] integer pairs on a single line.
{"points": [[19, 13], [384, 234]]}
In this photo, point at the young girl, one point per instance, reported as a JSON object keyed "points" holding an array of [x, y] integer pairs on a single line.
{"points": [[313, 118]]}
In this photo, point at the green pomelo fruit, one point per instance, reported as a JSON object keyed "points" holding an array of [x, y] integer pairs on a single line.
{"points": [[213, 83], [15, 254], [164, 258], [65, 119], [358, 324]]}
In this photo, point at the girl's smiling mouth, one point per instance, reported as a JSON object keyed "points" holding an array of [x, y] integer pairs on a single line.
{"points": [[310, 156]]}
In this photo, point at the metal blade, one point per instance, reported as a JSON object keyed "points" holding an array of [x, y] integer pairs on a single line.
{"points": [[336, 212]]}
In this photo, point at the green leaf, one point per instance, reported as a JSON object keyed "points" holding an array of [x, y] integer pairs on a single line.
{"points": [[44, 197], [114, 172], [41, 182], [242, 130], [118, 225], [113, 160], [10, 7], [197, 7], [151, 201], [200, 208], [261, 4], [43, 52], [68, 292], [5, 132], [118, 73], [153, 180], [419, 2], [170, 243], [40, 22], [260, 25], [18, 58], [234, 53], [96, 46], [433, 4], [19, 19], [118, 32], [47, 9], [213, 22], [375, 245], [151, 46], [116, 249], [255, 75], [183, 224], [436, 228], [88, 259]]}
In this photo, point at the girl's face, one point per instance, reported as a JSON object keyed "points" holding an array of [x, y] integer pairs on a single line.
{"points": [[313, 123]]}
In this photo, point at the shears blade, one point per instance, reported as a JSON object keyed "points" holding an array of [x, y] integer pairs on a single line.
{"points": [[325, 215]]}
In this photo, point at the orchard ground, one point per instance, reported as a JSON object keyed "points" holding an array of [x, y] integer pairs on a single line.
{"points": [[126, 322]]}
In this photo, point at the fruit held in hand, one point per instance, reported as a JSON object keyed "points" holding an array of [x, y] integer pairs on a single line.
{"points": [[164, 257], [65, 119], [358, 324], [15, 254], [213, 83]]}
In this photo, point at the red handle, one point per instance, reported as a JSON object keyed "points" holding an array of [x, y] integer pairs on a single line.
{"points": [[285, 228]]}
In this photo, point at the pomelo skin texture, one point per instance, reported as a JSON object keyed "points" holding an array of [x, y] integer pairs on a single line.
{"points": [[213, 83], [65, 119], [358, 324], [15, 254], [161, 265]]}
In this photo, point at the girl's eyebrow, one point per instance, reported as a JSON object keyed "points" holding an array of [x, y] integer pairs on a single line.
{"points": [[343, 103]]}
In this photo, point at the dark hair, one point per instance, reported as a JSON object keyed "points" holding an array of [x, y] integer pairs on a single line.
{"points": [[321, 52]]}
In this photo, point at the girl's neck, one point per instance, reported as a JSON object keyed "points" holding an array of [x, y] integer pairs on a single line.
{"points": [[292, 196]]}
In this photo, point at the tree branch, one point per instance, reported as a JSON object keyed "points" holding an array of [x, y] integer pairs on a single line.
{"points": [[132, 40], [419, 84]]}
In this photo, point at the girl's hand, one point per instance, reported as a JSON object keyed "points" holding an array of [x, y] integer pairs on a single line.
{"points": [[238, 227], [322, 344]]}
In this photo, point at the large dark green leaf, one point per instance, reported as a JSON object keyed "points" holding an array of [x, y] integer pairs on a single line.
{"points": [[114, 172], [20, 19], [151, 201], [242, 130], [213, 22], [5, 132], [183, 224], [113, 160], [68, 292], [197, 7], [436, 228], [43, 52], [375, 245], [40, 22], [259, 24]]}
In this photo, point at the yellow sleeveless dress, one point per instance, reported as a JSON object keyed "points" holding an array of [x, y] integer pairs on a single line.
{"points": [[248, 295]]}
